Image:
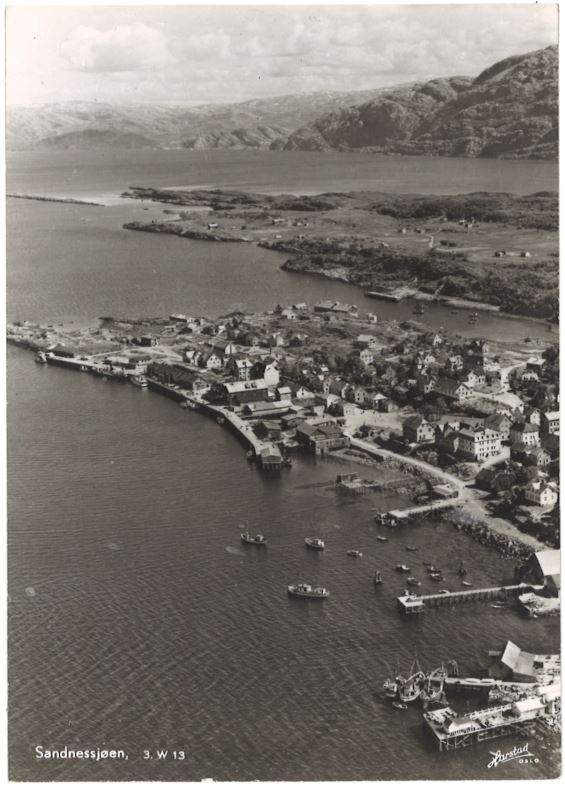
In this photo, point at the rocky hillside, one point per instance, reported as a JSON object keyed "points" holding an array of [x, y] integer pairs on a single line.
{"points": [[256, 123], [509, 111]]}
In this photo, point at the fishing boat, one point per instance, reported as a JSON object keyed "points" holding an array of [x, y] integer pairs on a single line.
{"points": [[499, 606], [402, 567], [378, 580], [382, 538], [307, 591], [314, 543], [467, 584], [41, 357], [400, 705], [413, 581], [257, 539], [411, 549], [431, 569], [354, 553], [140, 381], [390, 687], [436, 577]]}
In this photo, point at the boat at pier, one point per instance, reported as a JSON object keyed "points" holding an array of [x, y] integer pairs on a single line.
{"points": [[314, 543], [257, 539], [354, 553], [140, 380], [307, 591], [41, 357]]}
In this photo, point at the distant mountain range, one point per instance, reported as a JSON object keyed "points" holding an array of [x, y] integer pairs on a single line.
{"points": [[509, 111]]}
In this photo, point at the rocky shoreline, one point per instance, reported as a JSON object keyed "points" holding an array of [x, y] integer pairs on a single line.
{"points": [[65, 200], [182, 232]]}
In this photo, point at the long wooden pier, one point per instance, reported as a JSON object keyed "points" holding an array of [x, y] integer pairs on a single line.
{"points": [[411, 603]]}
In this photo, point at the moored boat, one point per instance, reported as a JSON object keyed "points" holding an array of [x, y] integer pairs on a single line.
{"points": [[401, 567], [400, 705], [257, 539], [354, 553], [307, 591], [413, 581], [436, 577], [411, 549], [314, 543], [378, 580], [140, 380], [467, 584], [382, 538], [41, 357]]}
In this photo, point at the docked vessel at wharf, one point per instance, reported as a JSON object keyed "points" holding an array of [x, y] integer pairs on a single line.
{"points": [[314, 543], [258, 539], [140, 381], [304, 590]]}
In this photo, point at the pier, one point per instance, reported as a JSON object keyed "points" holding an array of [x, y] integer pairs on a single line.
{"points": [[427, 508], [411, 603]]}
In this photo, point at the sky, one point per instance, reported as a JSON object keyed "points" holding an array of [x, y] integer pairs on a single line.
{"points": [[198, 54]]}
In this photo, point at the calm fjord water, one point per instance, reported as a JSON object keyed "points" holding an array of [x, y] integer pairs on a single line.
{"points": [[136, 619]]}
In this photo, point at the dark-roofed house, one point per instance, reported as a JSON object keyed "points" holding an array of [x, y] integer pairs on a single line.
{"points": [[524, 434], [499, 422], [417, 430], [319, 438], [550, 422]]}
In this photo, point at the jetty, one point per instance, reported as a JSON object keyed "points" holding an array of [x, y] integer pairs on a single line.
{"points": [[411, 603], [428, 508]]}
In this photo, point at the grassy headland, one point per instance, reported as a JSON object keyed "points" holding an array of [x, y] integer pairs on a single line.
{"points": [[497, 248]]}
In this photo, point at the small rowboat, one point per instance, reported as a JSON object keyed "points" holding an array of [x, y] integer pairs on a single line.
{"points": [[354, 553], [382, 538], [400, 705]]}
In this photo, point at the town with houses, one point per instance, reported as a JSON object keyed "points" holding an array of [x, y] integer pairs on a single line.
{"points": [[326, 378]]}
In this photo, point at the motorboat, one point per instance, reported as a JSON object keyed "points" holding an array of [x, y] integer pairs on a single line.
{"points": [[378, 580], [257, 539], [307, 591], [432, 569], [402, 567], [354, 553], [382, 538], [400, 705], [436, 577], [413, 581], [314, 543], [411, 549], [467, 584]]}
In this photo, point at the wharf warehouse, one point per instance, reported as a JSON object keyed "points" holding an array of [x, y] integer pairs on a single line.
{"points": [[543, 568], [513, 663]]}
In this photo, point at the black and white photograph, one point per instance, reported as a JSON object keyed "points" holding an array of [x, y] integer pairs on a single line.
{"points": [[282, 314]]}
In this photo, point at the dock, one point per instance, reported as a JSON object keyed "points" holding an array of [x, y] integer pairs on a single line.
{"points": [[453, 731], [411, 603]]}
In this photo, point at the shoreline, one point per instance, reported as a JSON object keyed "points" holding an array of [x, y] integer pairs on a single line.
{"points": [[467, 515]]}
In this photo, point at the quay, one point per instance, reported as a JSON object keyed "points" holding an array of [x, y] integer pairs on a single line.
{"points": [[453, 731], [267, 454], [411, 604]]}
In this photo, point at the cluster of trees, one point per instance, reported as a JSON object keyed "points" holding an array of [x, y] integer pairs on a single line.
{"points": [[538, 211]]}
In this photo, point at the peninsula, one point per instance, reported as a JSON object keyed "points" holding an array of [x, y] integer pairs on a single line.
{"points": [[496, 249]]}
